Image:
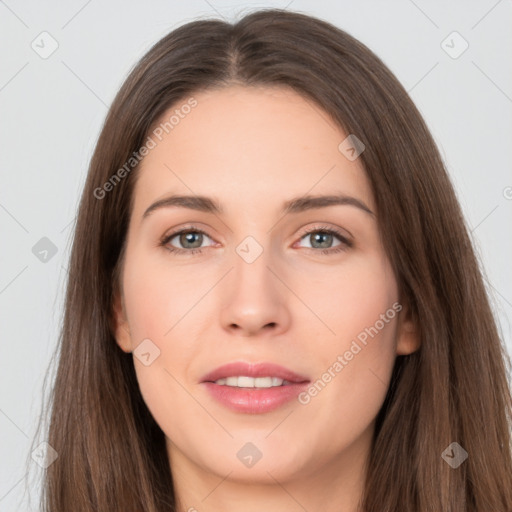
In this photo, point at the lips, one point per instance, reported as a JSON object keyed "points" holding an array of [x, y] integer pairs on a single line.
{"points": [[253, 400], [241, 368]]}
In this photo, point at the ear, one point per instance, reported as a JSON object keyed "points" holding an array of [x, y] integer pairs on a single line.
{"points": [[119, 323], [408, 339]]}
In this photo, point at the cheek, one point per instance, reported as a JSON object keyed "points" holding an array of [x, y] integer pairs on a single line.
{"points": [[158, 295], [361, 307], [157, 302], [350, 298], [156, 306]]}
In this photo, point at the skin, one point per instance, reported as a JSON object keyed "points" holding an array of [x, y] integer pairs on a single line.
{"points": [[252, 149]]}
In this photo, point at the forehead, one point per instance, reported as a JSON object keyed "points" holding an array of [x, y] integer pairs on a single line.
{"points": [[250, 147]]}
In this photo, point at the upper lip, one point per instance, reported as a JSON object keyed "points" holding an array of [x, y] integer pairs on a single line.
{"points": [[238, 368]]}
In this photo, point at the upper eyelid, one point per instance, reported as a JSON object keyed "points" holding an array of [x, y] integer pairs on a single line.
{"points": [[186, 229], [338, 231]]}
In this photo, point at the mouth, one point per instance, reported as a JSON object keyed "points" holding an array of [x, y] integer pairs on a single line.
{"points": [[253, 388]]}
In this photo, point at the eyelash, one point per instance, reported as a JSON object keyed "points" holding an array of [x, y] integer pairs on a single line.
{"points": [[345, 243]]}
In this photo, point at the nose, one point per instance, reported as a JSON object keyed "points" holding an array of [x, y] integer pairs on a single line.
{"points": [[255, 298]]}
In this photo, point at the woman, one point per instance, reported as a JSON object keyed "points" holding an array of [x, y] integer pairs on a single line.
{"points": [[362, 371]]}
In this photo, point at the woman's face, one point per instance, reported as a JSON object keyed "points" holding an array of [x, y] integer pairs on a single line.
{"points": [[323, 305]]}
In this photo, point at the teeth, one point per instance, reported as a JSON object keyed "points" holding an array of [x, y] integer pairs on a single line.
{"points": [[251, 382]]}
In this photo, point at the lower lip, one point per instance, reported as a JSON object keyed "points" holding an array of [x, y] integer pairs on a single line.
{"points": [[254, 400]]}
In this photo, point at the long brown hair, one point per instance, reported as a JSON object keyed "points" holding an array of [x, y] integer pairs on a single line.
{"points": [[112, 454]]}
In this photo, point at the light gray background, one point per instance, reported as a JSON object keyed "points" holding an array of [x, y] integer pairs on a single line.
{"points": [[52, 110]]}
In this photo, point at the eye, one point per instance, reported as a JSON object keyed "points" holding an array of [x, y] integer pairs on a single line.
{"points": [[191, 240], [322, 238]]}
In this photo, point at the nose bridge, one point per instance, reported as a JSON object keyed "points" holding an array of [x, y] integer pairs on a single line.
{"points": [[251, 261], [254, 297]]}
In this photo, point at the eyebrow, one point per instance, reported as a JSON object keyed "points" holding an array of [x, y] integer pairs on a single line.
{"points": [[295, 205]]}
